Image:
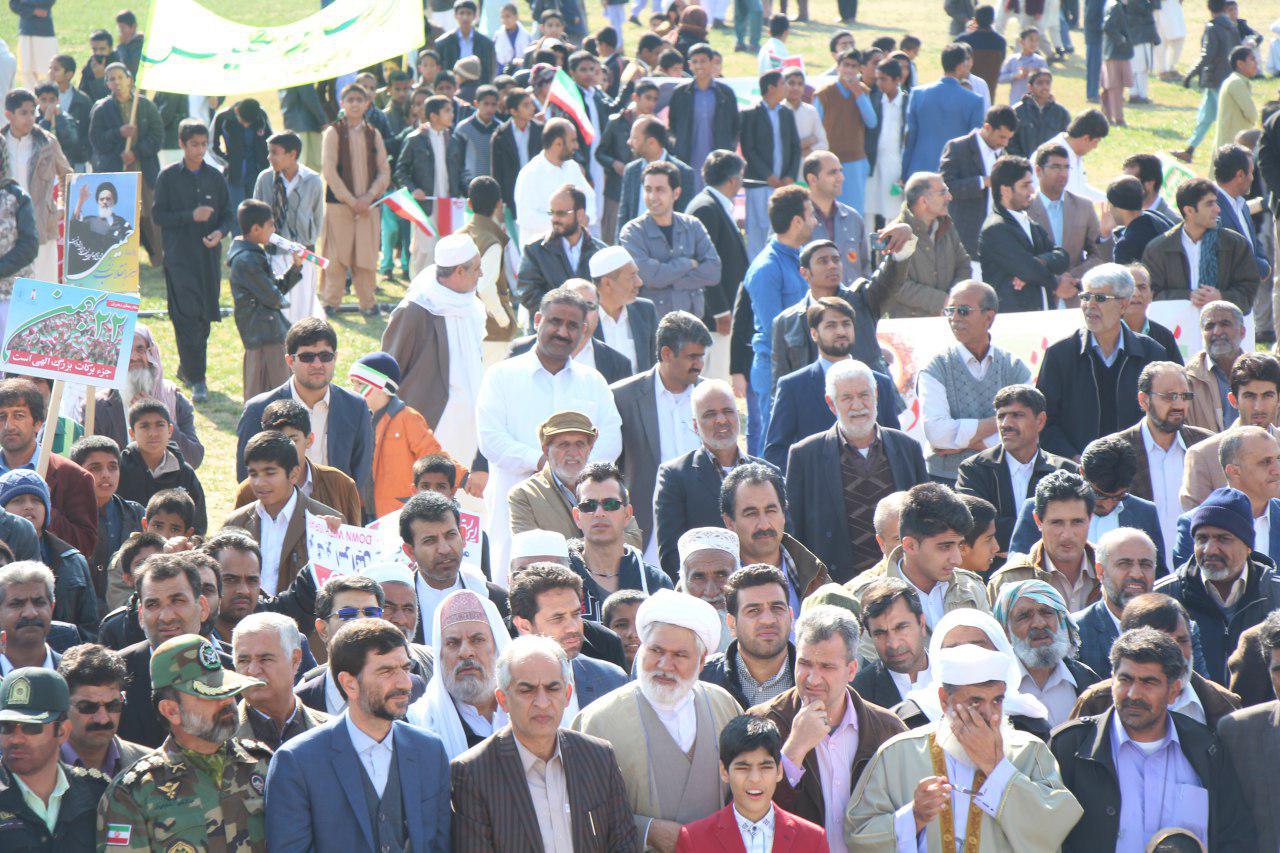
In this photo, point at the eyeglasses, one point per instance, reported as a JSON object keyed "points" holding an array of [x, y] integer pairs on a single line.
{"points": [[1100, 298], [84, 706], [324, 356], [962, 310], [1174, 396], [609, 504], [33, 729], [346, 614]]}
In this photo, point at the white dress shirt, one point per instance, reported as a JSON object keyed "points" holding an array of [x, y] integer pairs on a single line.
{"points": [[676, 435], [478, 723], [1058, 693], [1262, 532], [375, 756], [1100, 525], [573, 251], [318, 452], [271, 540], [1077, 177], [934, 602], [1192, 250], [1166, 468], [1024, 221], [334, 702], [1020, 474], [617, 334], [429, 599], [943, 431], [757, 837], [1188, 702], [904, 683], [536, 184], [20, 151], [681, 722], [989, 156]]}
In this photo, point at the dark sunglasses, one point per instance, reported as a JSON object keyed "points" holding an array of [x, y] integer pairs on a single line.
{"points": [[591, 505], [346, 614], [1100, 298], [962, 310], [8, 728], [84, 706], [324, 356]]}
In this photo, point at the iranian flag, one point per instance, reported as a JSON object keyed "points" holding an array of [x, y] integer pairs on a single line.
{"points": [[566, 95], [406, 207], [451, 214]]}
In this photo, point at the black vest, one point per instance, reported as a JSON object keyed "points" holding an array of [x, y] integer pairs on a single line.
{"points": [[390, 835]]}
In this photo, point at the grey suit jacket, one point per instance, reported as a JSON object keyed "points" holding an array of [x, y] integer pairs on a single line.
{"points": [[1251, 743], [1082, 238], [632, 189], [851, 238], [963, 171], [671, 278], [305, 211]]}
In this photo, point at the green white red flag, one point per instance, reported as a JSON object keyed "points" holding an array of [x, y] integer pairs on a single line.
{"points": [[406, 206], [566, 95]]}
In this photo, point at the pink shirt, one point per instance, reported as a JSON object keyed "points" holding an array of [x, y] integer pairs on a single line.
{"points": [[835, 754]]}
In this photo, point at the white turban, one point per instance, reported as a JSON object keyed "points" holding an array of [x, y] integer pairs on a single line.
{"points": [[539, 543], [707, 539], [684, 611]]}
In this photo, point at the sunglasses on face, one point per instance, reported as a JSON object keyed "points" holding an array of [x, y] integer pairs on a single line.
{"points": [[84, 706], [609, 504], [346, 614], [324, 357], [1100, 298], [962, 310], [8, 728]]}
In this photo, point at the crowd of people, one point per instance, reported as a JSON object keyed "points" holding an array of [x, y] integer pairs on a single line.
{"points": [[668, 572]]}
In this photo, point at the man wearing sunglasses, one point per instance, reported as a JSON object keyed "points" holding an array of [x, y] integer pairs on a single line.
{"points": [[47, 804], [96, 678]]}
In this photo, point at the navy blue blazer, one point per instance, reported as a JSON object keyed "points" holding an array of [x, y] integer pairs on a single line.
{"points": [[350, 433], [1098, 632], [1134, 512], [800, 410], [1227, 218], [316, 802], [1185, 548], [593, 678]]}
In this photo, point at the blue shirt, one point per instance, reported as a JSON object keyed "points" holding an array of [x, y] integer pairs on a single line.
{"points": [[774, 282], [465, 44], [1229, 412], [1158, 789], [864, 106], [1108, 360], [1054, 210], [775, 123], [704, 116], [5, 468]]}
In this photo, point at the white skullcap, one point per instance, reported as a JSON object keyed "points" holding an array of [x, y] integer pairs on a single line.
{"points": [[609, 260], [539, 543], [684, 611], [389, 572], [969, 664], [455, 250], [707, 538]]}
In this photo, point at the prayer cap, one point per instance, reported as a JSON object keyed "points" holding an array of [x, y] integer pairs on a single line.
{"points": [[455, 250], [539, 543], [684, 611], [609, 260]]}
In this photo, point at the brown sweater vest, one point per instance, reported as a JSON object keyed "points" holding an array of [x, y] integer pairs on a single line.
{"points": [[846, 131], [344, 158]]}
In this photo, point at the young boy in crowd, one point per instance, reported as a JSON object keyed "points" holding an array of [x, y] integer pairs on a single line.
{"points": [[327, 485], [152, 462], [401, 434], [120, 627], [751, 765], [259, 296], [171, 515], [23, 492], [118, 517]]}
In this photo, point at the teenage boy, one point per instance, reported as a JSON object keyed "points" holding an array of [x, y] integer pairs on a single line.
{"points": [[277, 519], [118, 518], [259, 296], [151, 462], [751, 765]]}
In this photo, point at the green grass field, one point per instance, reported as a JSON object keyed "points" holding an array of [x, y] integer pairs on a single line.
{"points": [[1160, 126]]}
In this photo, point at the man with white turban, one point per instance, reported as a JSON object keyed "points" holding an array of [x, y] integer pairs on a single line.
{"points": [[708, 555], [968, 781], [459, 706], [665, 725]]}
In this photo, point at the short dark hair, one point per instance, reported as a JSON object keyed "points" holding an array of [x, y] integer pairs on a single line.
{"points": [[16, 391], [17, 97], [649, 41], [515, 97], [351, 644], [1231, 159], [1062, 486], [702, 49], [747, 733], [983, 515], [835, 39], [1108, 464], [1148, 166], [812, 248], [190, 128], [754, 472], [344, 583], [769, 79], [1154, 610], [144, 406], [662, 167], [138, 541], [1147, 645], [1216, 6], [748, 577], [309, 331], [426, 506], [608, 36], [786, 204], [1192, 192], [280, 414], [931, 509], [102, 35], [1048, 150], [879, 595], [252, 213], [436, 463], [272, 446], [1090, 123], [1020, 395], [616, 600], [722, 165], [670, 58], [909, 42], [580, 56], [535, 579], [1239, 54], [778, 24], [90, 444], [435, 104], [163, 567], [233, 539], [953, 56], [1254, 367], [823, 304], [1152, 369], [67, 62], [602, 472], [563, 296], [891, 68], [1001, 116], [1126, 193], [984, 16], [575, 193], [175, 501], [484, 194], [287, 141], [127, 18], [1006, 172], [679, 329], [92, 665]]}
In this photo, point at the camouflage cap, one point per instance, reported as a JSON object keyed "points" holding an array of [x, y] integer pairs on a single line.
{"points": [[191, 664], [33, 694]]}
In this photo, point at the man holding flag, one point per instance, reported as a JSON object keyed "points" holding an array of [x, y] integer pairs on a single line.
{"points": [[422, 171], [550, 170]]}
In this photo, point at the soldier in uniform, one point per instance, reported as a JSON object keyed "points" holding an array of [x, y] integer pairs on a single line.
{"points": [[44, 803], [203, 788]]}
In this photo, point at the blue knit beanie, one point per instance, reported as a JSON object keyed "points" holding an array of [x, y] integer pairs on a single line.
{"points": [[1229, 509], [24, 481], [378, 369]]}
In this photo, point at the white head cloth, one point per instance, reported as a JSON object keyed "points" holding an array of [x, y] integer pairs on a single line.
{"points": [[608, 260], [539, 543], [707, 539], [455, 250]]}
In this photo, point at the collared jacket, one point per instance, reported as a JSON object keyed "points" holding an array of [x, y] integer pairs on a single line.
{"points": [[725, 126], [674, 273], [1216, 700], [45, 171], [1220, 37], [23, 831], [850, 238], [939, 262], [105, 121], [986, 475], [757, 143], [721, 669], [632, 191], [613, 149], [138, 484], [505, 157], [1033, 566], [1006, 253], [302, 109], [74, 599], [1238, 275], [401, 437], [258, 294], [305, 212], [545, 266], [1036, 125]]}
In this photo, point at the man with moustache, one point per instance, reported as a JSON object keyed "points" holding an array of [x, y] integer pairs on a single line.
{"points": [[1127, 569], [26, 614], [708, 556], [1209, 371], [400, 608], [365, 780], [95, 679], [203, 787], [760, 662], [268, 647], [894, 618], [591, 350]]}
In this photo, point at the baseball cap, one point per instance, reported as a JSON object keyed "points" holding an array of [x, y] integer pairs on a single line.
{"points": [[191, 665], [33, 694]]}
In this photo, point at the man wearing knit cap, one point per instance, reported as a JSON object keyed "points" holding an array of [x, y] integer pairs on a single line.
{"points": [[708, 555], [1225, 587], [970, 781], [664, 726], [628, 322], [435, 337], [401, 435]]}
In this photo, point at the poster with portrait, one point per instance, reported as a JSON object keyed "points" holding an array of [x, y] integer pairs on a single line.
{"points": [[102, 231], [58, 331]]}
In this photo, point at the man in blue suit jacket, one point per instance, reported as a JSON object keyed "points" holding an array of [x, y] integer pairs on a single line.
{"points": [[365, 780], [800, 409], [938, 113], [1233, 172], [1132, 511], [348, 424]]}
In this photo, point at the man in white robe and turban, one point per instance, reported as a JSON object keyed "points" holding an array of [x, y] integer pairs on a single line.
{"points": [[708, 555]]}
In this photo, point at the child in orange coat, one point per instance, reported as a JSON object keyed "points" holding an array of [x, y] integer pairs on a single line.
{"points": [[401, 434]]}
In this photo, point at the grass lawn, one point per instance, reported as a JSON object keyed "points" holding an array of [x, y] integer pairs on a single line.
{"points": [[1161, 126]]}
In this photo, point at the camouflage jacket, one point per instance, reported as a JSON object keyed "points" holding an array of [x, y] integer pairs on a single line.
{"points": [[164, 803], [21, 830]]}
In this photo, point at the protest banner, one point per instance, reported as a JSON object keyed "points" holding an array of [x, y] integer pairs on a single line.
{"points": [[909, 344], [189, 47], [61, 332], [102, 231], [391, 545], [348, 550]]}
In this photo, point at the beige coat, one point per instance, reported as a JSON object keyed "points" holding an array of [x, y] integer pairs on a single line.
{"points": [[537, 504], [45, 171], [1201, 472], [1036, 813], [1082, 238], [1205, 410], [938, 262], [347, 238]]}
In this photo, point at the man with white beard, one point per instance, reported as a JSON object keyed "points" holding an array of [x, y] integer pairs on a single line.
{"points": [[1045, 640], [708, 555], [969, 773], [665, 725], [459, 706]]}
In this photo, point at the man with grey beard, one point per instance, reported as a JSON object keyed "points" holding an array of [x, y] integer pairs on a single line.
{"points": [[1127, 569], [1222, 331], [1034, 616]]}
